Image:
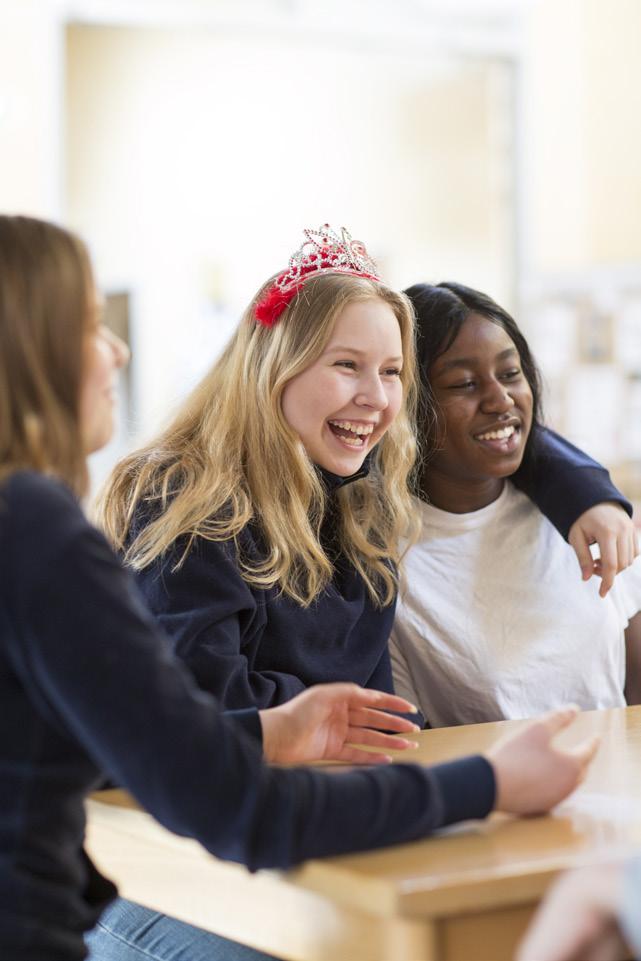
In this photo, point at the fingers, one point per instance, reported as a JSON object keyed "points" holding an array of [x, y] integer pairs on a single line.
{"points": [[625, 550], [556, 721], [609, 562], [364, 735], [617, 553], [353, 755], [581, 545], [367, 717], [608, 526], [379, 699]]}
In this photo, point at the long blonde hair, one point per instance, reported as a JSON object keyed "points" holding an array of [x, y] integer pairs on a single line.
{"points": [[229, 457], [45, 284]]}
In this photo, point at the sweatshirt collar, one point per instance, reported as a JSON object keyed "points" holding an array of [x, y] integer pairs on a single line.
{"points": [[334, 482]]}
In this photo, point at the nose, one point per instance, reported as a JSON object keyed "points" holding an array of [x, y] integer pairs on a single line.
{"points": [[121, 352], [371, 393], [496, 399]]}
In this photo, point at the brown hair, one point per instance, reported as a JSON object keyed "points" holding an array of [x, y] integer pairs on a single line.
{"points": [[229, 457], [45, 281]]}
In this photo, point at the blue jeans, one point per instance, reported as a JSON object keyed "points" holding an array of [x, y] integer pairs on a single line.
{"points": [[129, 932]]}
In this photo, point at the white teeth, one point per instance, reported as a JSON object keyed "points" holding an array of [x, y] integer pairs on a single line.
{"points": [[354, 428], [502, 434]]}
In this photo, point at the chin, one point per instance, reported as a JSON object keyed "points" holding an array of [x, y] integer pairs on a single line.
{"points": [[341, 469], [506, 470], [99, 439]]}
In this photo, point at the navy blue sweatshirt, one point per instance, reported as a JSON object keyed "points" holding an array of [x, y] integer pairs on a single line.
{"points": [[249, 646], [88, 686], [564, 482]]}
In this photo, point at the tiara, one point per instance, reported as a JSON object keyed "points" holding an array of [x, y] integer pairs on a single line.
{"points": [[322, 250]]}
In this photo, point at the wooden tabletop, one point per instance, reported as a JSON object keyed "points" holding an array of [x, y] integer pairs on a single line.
{"points": [[441, 898]]}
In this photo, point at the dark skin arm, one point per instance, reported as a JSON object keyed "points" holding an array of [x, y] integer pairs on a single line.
{"points": [[632, 688]]}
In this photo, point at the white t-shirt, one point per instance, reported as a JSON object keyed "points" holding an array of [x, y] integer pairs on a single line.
{"points": [[493, 620]]}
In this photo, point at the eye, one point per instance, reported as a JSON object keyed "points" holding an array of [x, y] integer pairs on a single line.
{"points": [[392, 372], [462, 385], [512, 374], [350, 364]]}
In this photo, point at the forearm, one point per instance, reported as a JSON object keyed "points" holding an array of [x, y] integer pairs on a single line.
{"points": [[368, 809]]}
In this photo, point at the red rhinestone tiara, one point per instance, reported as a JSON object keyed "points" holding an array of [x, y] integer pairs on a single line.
{"points": [[323, 250]]}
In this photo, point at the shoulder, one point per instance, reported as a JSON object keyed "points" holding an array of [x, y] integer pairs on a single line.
{"points": [[30, 500], [195, 561], [40, 517], [31, 484]]}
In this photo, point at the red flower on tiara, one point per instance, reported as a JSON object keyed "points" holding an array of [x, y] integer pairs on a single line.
{"points": [[323, 250]]}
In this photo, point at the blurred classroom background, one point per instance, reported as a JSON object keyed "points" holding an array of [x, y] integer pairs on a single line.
{"points": [[494, 142]]}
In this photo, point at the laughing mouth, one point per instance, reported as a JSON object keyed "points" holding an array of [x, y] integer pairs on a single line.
{"points": [[503, 434], [356, 435]]}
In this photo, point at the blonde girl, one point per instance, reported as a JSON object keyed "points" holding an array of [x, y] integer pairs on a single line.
{"points": [[264, 523]]}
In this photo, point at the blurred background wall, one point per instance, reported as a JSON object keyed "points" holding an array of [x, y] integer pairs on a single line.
{"points": [[495, 142]]}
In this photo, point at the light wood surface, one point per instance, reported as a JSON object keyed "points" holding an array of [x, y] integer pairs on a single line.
{"points": [[464, 895]]}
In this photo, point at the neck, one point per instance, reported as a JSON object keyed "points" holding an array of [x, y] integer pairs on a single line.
{"points": [[458, 496]]}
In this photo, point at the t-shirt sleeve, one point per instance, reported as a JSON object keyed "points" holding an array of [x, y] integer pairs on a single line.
{"points": [[626, 592], [208, 611], [564, 482], [92, 662]]}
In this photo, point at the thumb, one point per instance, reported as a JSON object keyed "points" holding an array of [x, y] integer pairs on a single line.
{"points": [[585, 752], [581, 545], [556, 721]]}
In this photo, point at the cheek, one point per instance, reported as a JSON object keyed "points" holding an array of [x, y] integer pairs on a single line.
{"points": [[100, 367], [395, 396], [452, 425], [298, 401], [526, 403], [288, 404]]}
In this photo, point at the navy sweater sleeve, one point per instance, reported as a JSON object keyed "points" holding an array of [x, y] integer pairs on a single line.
{"points": [[206, 609], [564, 482], [93, 664]]}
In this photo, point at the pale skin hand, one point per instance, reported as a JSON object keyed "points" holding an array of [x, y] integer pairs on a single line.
{"points": [[608, 526], [532, 775], [324, 722], [577, 919]]}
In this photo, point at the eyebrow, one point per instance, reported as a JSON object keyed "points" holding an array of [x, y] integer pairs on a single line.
{"points": [[356, 350], [471, 361]]}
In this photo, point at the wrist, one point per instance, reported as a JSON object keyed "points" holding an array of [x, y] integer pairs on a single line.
{"points": [[498, 781], [271, 723]]}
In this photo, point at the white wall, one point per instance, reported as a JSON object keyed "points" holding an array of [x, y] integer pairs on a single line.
{"points": [[196, 157], [31, 136], [582, 124], [581, 183]]}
